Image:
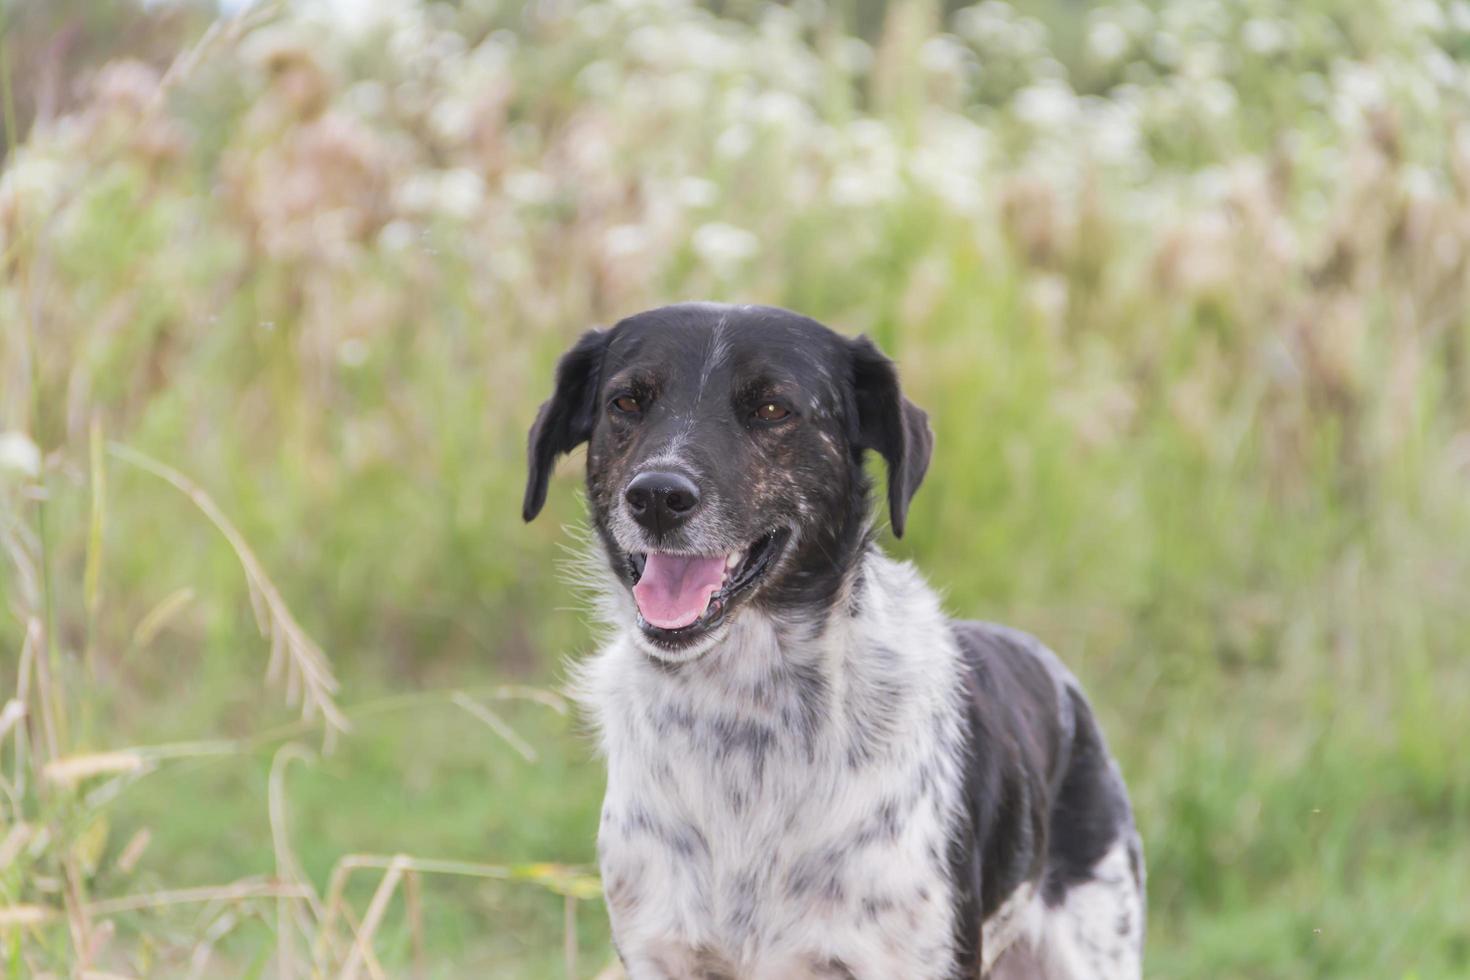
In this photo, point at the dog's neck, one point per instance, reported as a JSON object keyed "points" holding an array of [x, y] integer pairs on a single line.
{"points": [[828, 685]]}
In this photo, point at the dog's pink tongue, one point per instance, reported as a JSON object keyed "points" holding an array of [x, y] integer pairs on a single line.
{"points": [[675, 589]]}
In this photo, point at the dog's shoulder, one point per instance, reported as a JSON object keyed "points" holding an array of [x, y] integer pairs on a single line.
{"points": [[1022, 700], [1022, 683]]}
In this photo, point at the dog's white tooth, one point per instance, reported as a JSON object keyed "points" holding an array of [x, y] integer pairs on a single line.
{"points": [[732, 561]]}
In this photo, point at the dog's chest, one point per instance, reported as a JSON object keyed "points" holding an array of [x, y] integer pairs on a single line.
{"points": [[800, 831]]}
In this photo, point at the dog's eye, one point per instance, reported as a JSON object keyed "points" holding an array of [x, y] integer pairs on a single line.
{"points": [[771, 412], [627, 404]]}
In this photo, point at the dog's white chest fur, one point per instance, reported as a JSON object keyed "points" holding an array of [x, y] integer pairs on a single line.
{"points": [[779, 807]]}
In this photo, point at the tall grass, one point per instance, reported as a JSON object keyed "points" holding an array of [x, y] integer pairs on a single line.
{"points": [[1183, 286]]}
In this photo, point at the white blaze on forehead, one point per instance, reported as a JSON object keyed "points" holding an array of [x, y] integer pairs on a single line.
{"points": [[714, 354]]}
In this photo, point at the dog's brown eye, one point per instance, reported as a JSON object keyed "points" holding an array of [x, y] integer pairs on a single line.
{"points": [[627, 403], [771, 412]]}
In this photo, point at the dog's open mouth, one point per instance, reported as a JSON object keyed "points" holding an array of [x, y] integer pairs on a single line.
{"points": [[681, 597]]}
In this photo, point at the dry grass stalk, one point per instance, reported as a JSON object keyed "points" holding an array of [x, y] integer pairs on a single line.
{"points": [[569, 936], [294, 654], [362, 946], [160, 616], [496, 724], [204, 949], [71, 770], [16, 837], [288, 868], [25, 916], [567, 881], [247, 888], [35, 652], [413, 899], [133, 850], [92, 577]]}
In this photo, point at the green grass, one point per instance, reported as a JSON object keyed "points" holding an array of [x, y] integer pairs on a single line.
{"points": [[1197, 360]]}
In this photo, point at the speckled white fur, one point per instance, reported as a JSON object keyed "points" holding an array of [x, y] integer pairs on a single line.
{"points": [[779, 807], [1097, 931]]}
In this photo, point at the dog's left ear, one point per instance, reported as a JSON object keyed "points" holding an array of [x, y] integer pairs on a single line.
{"points": [[566, 419], [890, 424]]}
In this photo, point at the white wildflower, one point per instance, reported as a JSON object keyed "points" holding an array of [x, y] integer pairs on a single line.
{"points": [[1166, 49], [1426, 14], [367, 98], [1113, 130], [1217, 97], [855, 57], [32, 180], [950, 160], [461, 191], [452, 119], [696, 192], [396, 236], [529, 187], [1445, 70], [869, 174], [944, 55], [1262, 36], [600, 78], [735, 142], [723, 247], [1107, 41], [1313, 88], [1046, 105], [416, 193], [1460, 16], [352, 352], [1135, 17], [621, 241], [781, 111], [19, 454]]}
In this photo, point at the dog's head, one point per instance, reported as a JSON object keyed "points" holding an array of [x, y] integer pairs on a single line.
{"points": [[725, 461]]}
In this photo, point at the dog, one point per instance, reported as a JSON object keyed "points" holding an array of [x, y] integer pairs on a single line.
{"points": [[813, 772]]}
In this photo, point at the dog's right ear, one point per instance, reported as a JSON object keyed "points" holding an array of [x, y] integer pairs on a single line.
{"points": [[566, 419]]}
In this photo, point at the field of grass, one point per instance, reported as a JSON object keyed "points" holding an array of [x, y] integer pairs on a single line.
{"points": [[1182, 284]]}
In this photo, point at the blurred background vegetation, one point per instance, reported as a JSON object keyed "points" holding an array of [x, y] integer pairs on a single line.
{"points": [[1182, 284]]}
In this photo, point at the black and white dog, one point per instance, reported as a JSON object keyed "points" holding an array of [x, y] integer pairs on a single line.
{"points": [[812, 770]]}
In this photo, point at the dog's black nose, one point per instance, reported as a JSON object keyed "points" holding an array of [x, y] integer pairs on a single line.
{"points": [[661, 501]]}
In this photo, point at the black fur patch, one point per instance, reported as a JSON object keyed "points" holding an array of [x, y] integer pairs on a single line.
{"points": [[1042, 802], [1088, 812]]}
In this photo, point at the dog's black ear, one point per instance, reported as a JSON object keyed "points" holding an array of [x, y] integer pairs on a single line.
{"points": [[566, 419], [890, 424]]}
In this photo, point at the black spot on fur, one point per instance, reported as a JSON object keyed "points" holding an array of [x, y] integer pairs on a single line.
{"points": [[709, 965], [819, 874], [884, 825], [741, 896], [876, 906], [833, 968]]}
